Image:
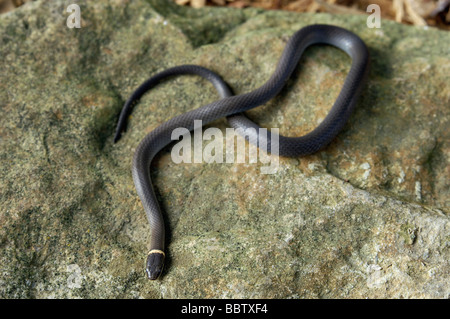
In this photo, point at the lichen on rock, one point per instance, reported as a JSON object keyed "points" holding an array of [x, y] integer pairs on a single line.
{"points": [[367, 217]]}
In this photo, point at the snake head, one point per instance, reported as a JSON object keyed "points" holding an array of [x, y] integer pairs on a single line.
{"points": [[155, 264]]}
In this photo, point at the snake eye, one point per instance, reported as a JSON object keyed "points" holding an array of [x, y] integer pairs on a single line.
{"points": [[155, 264]]}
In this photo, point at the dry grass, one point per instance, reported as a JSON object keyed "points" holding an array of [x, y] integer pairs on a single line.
{"points": [[434, 13]]}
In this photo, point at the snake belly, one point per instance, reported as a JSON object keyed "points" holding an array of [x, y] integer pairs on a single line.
{"points": [[232, 106]]}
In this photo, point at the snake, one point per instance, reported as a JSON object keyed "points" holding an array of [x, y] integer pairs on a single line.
{"points": [[232, 107]]}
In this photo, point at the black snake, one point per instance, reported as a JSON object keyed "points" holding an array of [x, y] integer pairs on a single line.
{"points": [[232, 106]]}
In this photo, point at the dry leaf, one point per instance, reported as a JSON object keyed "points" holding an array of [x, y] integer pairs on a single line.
{"points": [[198, 3], [182, 2]]}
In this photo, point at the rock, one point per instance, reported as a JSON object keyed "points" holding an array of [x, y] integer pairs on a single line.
{"points": [[367, 217]]}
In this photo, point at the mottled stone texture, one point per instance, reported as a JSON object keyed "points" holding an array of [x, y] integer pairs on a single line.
{"points": [[367, 217]]}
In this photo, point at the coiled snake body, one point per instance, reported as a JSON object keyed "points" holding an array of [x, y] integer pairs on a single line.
{"points": [[231, 107]]}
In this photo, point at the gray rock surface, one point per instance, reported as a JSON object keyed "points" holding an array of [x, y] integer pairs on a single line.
{"points": [[365, 218]]}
